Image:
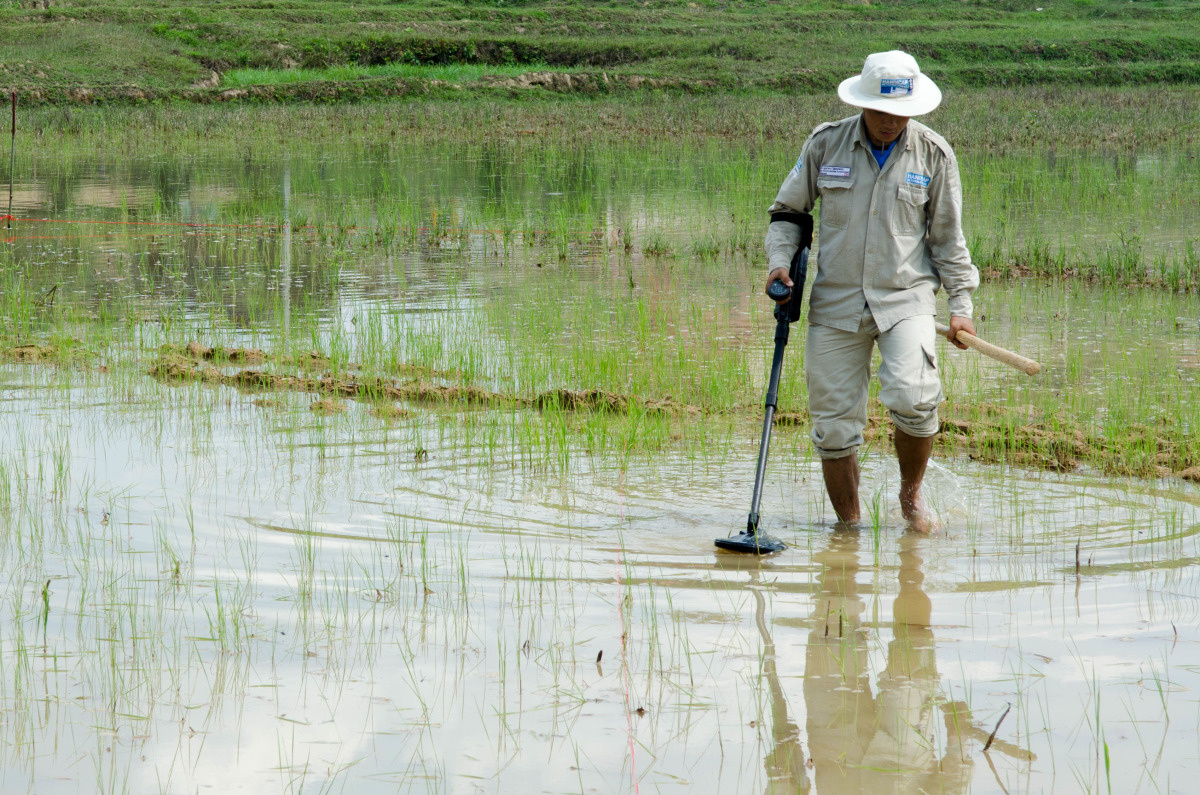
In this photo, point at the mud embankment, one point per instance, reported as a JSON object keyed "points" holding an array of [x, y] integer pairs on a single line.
{"points": [[191, 363], [29, 353], [982, 432]]}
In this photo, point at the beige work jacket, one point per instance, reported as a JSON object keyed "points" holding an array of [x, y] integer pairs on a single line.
{"points": [[888, 237]]}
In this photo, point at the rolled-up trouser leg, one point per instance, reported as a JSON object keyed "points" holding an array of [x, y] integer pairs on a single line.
{"points": [[908, 376], [837, 368]]}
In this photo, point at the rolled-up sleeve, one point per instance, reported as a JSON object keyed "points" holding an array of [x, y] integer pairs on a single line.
{"points": [[946, 244], [797, 195]]}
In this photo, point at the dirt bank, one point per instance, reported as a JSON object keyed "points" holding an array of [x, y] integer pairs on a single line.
{"points": [[988, 433]]}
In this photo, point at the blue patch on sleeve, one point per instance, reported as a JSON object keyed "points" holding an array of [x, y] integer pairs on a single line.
{"points": [[920, 180], [799, 165]]}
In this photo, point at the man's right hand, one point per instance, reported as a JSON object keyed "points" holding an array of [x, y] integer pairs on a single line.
{"points": [[780, 274]]}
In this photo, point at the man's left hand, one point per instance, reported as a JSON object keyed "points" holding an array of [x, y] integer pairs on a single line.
{"points": [[958, 324]]}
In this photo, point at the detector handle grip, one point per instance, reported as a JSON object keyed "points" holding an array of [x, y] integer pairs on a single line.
{"points": [[798, 271]]}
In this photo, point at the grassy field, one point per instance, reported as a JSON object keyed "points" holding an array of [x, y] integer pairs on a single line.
{"points": [[134, 50]]}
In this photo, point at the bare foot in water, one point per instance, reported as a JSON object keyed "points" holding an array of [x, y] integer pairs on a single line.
{"points": [[913, 508], [922, 523]]}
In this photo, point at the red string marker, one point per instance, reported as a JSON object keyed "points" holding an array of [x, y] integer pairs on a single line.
{"points": [[12, 161]]}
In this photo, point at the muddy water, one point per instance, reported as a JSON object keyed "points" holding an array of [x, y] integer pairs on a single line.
{"points": [[202, 592], [245, 598]]}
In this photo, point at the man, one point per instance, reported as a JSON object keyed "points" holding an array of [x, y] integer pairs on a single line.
{"points": [[890, 236]]}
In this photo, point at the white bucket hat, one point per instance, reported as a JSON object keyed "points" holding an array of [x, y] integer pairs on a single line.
{"points": [[891, 82]]}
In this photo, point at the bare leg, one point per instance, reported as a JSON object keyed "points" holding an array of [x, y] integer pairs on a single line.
{"points": [[913, 453], [841, 482]]}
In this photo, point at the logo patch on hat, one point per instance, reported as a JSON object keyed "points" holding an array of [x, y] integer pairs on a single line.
{"points": [[896, 86], [835, 171], [920, 180]]}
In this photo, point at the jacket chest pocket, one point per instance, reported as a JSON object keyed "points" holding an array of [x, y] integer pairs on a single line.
{"points": [[908, 215], [835, 202]]}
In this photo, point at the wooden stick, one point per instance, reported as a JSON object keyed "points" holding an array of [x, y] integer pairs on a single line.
{"points": [[1027, 366]]}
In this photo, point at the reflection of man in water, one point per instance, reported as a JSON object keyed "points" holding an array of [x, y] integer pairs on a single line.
{"points": [[884, 742]]}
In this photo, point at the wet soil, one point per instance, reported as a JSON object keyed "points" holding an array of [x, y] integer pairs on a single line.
{"points": [[218, 354], [29, 353]]}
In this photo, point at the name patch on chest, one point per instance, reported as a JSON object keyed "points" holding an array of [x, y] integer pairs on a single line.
{"points": [[842, 172], [920, 180]]}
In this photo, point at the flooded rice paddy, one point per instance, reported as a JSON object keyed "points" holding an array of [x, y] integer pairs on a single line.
{"points": [[428, 503]]}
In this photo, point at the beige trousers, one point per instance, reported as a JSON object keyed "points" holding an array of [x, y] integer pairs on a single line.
{"points": [[837, 367]]}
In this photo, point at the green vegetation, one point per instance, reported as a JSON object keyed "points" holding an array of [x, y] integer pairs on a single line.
{"points": [[454, 73], [380, 447], [526, 237], [132, 50], [1000, 120]]}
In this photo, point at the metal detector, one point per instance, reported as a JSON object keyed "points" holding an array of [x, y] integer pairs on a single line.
{"points": [[751, 540]]}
